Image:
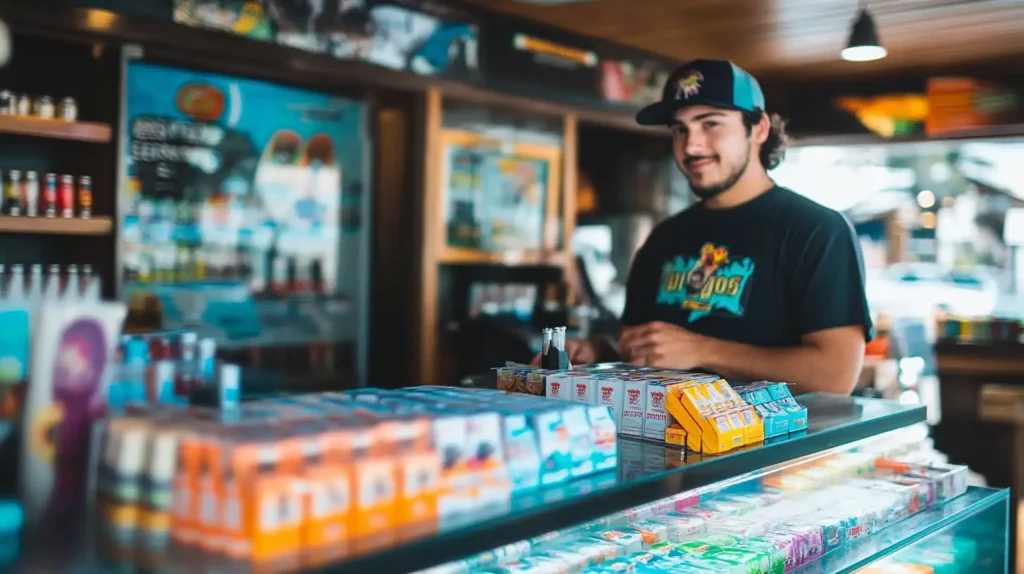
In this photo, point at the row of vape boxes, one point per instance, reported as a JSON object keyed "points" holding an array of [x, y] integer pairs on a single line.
{"points": [[698, 410], [317, 473]]}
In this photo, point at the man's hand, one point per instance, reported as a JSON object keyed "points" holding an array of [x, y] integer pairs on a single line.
{"points": [[665, 345], [580, 352]]}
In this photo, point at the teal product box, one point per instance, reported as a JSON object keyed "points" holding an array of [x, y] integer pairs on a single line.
{"points": [[754, 394], [776, 420], [779, 391], [14, 344], [521, 451], [581, 441], [554, 446], [603, 432], [797, 413]]}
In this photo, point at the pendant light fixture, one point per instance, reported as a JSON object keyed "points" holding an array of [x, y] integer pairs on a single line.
{"points": [[864, 45]]}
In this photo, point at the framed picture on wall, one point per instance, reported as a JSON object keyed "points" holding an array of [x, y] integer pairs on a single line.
{"points": [[498, 196]]}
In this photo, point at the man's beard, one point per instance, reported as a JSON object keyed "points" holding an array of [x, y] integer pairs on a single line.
{"points": [[713, 190]]}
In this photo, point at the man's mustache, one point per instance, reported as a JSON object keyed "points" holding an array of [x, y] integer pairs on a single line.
{"points": [[693, 158]]}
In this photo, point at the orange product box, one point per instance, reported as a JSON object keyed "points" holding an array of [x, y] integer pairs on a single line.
{"points": [[209, 519], [374, 498], [246, 460], [275, 517], [185, 508], [419, 484], [327, 507]]}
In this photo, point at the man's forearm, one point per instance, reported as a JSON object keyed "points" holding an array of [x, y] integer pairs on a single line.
{"points": [[808, 367]]}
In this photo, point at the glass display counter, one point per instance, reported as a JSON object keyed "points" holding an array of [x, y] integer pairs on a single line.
{"points": [[851, 492], [561, 529]]}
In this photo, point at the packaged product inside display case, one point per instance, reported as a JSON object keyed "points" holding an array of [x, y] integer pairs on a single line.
{"points": [[837, 511]]}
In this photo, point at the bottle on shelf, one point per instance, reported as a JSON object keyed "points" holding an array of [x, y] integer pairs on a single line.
{"points": [[85, 197], [16, 284], [31, 192], [53, 286], [50, 196], [93, 285], [66, 194], [73, 289], [12, 194], [36, 283]]}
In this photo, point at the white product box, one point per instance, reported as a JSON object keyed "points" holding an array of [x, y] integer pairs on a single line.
{"points": [[584, 390], [610, 393], [558, 386], [655, 415], [634, 395]]}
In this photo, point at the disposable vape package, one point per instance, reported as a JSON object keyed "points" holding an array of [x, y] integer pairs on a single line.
{"points": [[559, 386], [633, 408], [554, 446], [581, 441]]}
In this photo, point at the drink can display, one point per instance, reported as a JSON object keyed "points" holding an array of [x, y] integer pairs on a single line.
{"points": [[67, 196], [12, 193], [85, 196], [31, 198], [50, 195]]}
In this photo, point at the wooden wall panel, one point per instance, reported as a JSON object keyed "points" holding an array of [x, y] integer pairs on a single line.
{"points": [[798, 38]]}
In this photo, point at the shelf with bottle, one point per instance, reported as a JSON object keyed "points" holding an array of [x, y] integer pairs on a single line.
{"points": [[63, 205], [56, 284], [24, 115]]}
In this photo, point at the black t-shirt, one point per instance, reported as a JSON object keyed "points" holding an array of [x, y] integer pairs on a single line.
{"points": [[764, 273]]}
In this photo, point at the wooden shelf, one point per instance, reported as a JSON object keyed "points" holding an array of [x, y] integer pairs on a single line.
{"points": [[464, 256], [56, 225], [58, 129]]}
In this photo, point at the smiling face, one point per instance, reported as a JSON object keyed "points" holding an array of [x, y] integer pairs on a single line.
{"points": [[712, 147]]}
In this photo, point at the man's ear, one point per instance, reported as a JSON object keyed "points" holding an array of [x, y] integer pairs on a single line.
{"points": [[759, 133]]}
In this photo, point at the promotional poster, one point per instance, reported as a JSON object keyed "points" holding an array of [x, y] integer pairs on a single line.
{"points": [[72, 351], [388, 34], [495, 201], [243, 203]]}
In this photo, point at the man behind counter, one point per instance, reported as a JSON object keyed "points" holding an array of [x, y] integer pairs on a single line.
{"points": [[754, 282]]}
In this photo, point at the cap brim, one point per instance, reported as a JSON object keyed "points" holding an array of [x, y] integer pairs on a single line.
{"points": [[663, 113]]}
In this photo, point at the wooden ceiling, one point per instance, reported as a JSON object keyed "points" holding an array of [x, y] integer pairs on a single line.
{"points": [[800, 38]]}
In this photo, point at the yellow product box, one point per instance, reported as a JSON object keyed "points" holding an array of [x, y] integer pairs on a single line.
{"points": [[707, 428], [745, 419]]}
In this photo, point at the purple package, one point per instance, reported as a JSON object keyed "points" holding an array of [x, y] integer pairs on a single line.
{"points": [[809, 540]]}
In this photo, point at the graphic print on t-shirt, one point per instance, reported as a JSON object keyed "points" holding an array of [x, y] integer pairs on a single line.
{"points": [[711, 283]]}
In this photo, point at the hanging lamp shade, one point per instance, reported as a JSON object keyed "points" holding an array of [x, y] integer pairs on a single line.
{"points": [[864, 45]]}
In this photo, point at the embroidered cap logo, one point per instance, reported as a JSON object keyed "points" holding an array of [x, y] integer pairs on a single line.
{"points": [[688, 85]]}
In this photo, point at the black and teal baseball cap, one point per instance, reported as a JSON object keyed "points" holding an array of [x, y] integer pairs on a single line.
{"points": [[716, 83]]}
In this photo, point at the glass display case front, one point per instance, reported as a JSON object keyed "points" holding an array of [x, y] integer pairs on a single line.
{"points": [[873, 506]]}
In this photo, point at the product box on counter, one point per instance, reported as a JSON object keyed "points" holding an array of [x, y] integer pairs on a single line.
{"points": [[775, 404], [372, 462]]}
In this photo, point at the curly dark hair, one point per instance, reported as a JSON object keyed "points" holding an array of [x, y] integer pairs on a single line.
{"points": [[773, 151]]}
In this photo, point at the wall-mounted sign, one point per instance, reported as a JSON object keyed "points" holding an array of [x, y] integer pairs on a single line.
{"points": [[385, 33]]}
